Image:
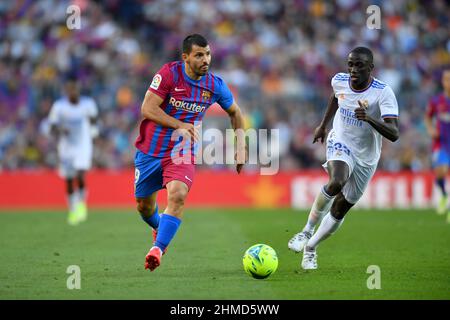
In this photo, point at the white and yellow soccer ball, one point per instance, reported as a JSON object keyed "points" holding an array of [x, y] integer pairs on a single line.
{"points": [[260, 261]]}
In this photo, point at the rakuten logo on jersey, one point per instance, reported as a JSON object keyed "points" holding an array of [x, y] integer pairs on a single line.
{"points": [[190, 107]]}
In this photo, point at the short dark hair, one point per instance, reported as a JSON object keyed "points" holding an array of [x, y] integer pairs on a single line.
{"points": [[192, 39], [364, 50]]}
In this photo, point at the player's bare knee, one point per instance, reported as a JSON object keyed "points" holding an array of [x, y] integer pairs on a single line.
{"points": [[141, 206], [176, 197], [69, 185], [338, 210], [144, 207], [340, 207], [441, 172], [81, 183], [335, 186], [338, 214]]}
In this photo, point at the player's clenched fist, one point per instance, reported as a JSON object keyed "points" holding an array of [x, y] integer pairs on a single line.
{"points": [[319, 134], [361, 112], [241, 157], [190, 130]]}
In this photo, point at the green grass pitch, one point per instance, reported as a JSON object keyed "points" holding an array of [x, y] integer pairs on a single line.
{"points": [[412, 249]]}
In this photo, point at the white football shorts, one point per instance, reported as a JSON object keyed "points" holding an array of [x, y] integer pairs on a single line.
{"points": [[72, 162], [359, 176]]}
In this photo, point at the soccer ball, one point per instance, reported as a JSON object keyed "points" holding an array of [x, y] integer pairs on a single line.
{"points": [[260, 261]]}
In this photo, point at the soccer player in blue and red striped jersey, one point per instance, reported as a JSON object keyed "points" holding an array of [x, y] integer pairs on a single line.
{"points": [[439, 109], [177, 98]]}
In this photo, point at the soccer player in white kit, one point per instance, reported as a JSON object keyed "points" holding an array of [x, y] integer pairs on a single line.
{"points": [[367, 110], [72, 120]]}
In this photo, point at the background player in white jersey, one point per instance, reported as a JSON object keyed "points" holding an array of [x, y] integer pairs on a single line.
{"points": [[72, 120], [367, 110]]}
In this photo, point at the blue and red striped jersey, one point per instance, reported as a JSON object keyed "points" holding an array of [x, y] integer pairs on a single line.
{"points": [[439, 108], [184, 99]]}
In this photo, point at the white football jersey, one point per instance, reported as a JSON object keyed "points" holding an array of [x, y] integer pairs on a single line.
{"points": [[360, 137], [76, 119]]}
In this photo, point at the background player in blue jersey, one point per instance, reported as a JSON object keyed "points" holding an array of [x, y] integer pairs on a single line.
{"points": [[439, 130], [178, 97]]}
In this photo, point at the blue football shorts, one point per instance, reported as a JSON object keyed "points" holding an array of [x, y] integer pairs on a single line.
{"points": [[441, 158]]}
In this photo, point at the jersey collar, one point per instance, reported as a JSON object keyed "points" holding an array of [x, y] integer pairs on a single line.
{"points": [[187, 77], [362, 90]]}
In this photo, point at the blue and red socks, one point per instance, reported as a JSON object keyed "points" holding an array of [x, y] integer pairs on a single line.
{"points": [[153, 220], [441, 183], [168, 226]]}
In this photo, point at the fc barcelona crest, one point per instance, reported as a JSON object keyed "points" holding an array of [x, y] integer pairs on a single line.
{"points": [[206, 95]]}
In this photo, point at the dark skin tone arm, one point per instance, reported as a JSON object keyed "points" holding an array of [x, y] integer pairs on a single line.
{"points": [[387, 128], [58, 131], [321, 131]]}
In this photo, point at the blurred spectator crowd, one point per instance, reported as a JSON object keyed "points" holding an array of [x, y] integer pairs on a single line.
{"points": [[277, 56]]}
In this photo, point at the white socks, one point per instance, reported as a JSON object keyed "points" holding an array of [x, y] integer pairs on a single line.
{"points": [[328, 226], [73, 200], [322, 205], [81, 195], [75, 197]]}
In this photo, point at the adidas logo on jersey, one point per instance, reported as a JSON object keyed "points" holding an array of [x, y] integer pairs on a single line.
{"points": [[190, 107]]}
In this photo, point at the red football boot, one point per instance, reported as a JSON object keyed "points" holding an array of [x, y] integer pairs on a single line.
{"points": [[153, 258]]}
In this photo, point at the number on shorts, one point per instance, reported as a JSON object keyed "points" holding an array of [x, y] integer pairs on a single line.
{"points": [[341, 147], [136, 175]]}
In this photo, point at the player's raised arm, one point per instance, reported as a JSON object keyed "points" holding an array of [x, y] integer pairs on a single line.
{"points": [[388, 126], [151, 110], [320, 132], [237, 122]]}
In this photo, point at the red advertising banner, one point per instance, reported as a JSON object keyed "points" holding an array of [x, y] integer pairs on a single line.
{"points": [[45, 189]]}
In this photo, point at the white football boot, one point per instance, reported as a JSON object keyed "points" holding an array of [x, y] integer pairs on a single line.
{"points": [[299, 240], [309, 261], [442, 205]]}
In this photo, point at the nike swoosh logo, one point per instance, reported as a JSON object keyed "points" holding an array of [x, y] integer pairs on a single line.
{"points": [[178, 89], [188, 178]]}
